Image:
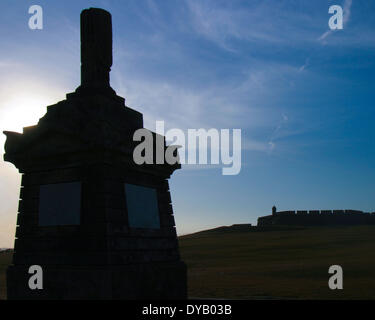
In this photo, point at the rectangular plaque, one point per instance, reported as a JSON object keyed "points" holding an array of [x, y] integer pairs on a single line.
{"points": [[142, 204], [60, 204]]}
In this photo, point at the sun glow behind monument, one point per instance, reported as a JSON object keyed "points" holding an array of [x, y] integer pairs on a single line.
{"points": [[20, 109]]}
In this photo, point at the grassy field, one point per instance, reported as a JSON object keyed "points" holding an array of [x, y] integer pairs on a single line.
{"points": [[287, 263], [280, 263]]}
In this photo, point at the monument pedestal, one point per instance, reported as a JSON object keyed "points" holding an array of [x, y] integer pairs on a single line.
{"points": [[154, 281]]}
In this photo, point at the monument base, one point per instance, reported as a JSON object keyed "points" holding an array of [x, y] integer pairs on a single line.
{"points": [[166, 280]]}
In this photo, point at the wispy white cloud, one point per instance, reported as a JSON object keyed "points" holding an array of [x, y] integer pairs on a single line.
{"points": [[270, 23], [254, 145], [347, 10], [275, 134], [242, 103], [260, 22], [221, 24], [305, 65]]}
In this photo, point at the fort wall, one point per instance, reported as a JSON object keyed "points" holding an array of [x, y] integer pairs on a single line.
{"points": [[318, 218]]}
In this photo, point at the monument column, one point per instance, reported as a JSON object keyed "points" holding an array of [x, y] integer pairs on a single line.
{"points": [[96, 48]]}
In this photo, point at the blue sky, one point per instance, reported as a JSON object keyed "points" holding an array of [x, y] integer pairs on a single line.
{"points": [[302, 95]]}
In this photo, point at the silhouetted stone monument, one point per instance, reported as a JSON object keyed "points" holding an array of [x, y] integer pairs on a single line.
{"points": [[99, 225]]}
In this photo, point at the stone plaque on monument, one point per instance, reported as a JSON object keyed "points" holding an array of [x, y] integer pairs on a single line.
{"points": [[142, 204], [59, 204], [99, 225]]}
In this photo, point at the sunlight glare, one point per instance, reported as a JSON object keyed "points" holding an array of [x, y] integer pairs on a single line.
{"points": [[22, 111]]}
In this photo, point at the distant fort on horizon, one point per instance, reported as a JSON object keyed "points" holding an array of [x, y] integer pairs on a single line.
{"points": [[317, 218]]}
